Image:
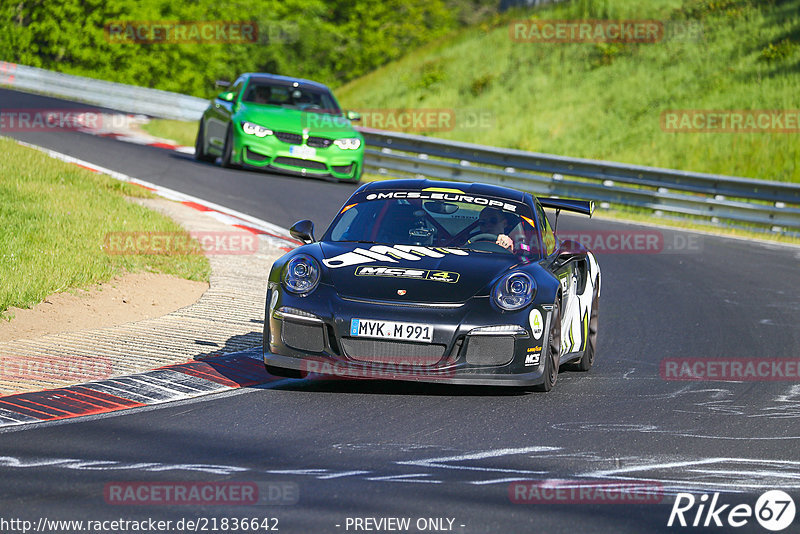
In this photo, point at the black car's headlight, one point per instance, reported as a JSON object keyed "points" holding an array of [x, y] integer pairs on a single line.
{"points": [[514, 291], [301, 275], [254, 129], [348, 143]]}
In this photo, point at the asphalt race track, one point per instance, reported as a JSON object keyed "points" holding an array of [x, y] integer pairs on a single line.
{"points": [[340, 450]]}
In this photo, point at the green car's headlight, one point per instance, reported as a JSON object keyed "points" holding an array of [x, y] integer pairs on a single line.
{"points": [[254, 129], [348, 143]]}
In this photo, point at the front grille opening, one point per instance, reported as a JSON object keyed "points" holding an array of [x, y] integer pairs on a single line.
{"points": [[393, 352], [302, 336], [253, 156], [303, 163], [344, 169], [489, 350]]}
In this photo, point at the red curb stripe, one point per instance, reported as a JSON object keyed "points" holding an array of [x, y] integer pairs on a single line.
{"points": [[100, 397], [245, 373], [168, 146], [206, 373], [63, 398], [81, 400], [11, 407], [234, 372], [86, 167], [195, 205]]}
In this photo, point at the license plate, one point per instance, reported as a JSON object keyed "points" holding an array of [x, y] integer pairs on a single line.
{"points": [[303, 151], [391, 330]]}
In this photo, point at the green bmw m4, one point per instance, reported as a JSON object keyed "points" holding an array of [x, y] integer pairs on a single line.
{"points": [[277, 123]]}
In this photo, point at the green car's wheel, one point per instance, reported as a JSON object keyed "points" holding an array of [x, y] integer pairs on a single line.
{"points": [[200, 153], [227, 151]]}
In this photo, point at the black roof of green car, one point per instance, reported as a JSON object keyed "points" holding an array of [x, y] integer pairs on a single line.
{"points": [[285, 80]]}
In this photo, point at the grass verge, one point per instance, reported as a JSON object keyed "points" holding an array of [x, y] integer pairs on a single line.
{"points": [[605, 100], [182, 132], [55, 218]]}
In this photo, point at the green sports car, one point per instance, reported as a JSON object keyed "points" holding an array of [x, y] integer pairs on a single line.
{"points": [[289, 125]]}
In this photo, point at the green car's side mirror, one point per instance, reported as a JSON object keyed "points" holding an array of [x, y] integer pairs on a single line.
{"points": [[227, 96], [353, 115]]}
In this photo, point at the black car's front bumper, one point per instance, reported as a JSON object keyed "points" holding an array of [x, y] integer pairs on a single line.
{"points": [[312, 335]]}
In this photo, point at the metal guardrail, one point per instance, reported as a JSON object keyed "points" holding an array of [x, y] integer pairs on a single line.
{"points": [[770, 205], [127, 98]]}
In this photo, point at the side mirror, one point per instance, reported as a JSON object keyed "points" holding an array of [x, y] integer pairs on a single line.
{"points": [[353, 115], [303, 231], [227, 96], [222, 83]]}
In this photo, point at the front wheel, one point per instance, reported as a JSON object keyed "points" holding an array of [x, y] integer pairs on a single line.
{"points": [[200, 153], [227, 151], [553, 354]]}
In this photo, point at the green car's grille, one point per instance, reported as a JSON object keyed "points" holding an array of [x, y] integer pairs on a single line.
{"points": [[289, 137], [319, 142]]}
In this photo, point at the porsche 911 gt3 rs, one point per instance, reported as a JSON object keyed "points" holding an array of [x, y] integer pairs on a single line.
{"points": [[436, 282]]}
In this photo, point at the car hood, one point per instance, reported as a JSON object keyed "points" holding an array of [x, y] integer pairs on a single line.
{"points": [[383, 272], [292, 120]]}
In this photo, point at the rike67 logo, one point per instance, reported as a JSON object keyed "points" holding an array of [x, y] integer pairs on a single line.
{"points": [[774, 510]]}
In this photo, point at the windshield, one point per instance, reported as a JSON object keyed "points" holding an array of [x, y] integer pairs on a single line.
{"points": [[439, 220], [299, 98]]}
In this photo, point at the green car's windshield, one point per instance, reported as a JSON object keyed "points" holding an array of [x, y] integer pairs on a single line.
{"points": [[286, 96]]}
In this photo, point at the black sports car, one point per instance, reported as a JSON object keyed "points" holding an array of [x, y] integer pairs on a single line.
{"points": [[437, 282]]}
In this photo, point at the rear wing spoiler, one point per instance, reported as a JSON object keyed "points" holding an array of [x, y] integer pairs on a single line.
{"points": [[585, 207]]}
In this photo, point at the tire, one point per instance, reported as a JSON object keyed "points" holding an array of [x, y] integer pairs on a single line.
{"points": [[227, 151], [200, 153], [551, 362], [285, 373], [586, 361]]}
